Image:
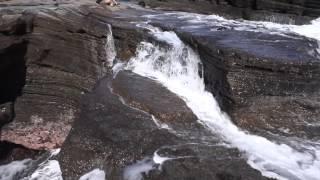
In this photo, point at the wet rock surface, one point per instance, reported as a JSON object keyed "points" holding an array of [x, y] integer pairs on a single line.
{"points": [[285, 11], [264, 74], [148, 97], [113, 136]]}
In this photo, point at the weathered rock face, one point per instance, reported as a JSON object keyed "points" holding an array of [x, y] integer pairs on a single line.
{"points": [[264, 81], [49, 58], [284, 11], [273, 89]]}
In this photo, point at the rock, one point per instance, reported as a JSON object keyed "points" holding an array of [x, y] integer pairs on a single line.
{"points": [[261, 79], [286, 11], [251, 80], [115, 137], [285, 115], [51, 56], [109, 135], [140, 92], [7, 113], [216, 167], [13, 152]]}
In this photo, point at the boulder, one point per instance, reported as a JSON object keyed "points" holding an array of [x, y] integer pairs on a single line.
{"points": [[111, 135], [140, 92]]}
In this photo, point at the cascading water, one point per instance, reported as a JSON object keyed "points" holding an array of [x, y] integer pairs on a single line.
{"points": [[177, 68]]}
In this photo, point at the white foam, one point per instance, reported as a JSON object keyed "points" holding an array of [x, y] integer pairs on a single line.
{"points": [[135, 171], [159, 124], [49, 170], [177, 68], [110, 49], [95, 174], [55, 152], [9, 171], [157, 159], [309, 30]]}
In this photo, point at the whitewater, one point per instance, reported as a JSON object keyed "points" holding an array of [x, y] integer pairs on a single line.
{"points": [[177, 68]]}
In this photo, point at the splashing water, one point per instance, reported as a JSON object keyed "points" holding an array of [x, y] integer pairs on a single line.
{"points": [[212, 21], [29, 169], [9, 171], [95, 174], [110, 49], [138, 169], [177, 68], [49, 170]]}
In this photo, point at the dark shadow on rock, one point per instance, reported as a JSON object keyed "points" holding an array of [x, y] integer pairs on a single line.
{"points": [[12, 152], [12, 71], [12, 79]]}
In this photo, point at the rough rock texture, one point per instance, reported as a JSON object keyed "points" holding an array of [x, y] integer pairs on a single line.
{"points": [[113, 136], [50, 56], [284, 11], [277, 89], [264, 81]]}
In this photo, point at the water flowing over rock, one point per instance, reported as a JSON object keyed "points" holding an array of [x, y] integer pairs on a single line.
{"points": [[284, 11], [139, 93]]}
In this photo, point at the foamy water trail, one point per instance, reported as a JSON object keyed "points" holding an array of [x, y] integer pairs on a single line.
{"points": [[309, 30], [95, 174], [177, 68]]}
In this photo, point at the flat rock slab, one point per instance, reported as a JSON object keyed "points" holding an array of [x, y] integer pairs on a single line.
{"points": [[288, 116], [150, 96]]}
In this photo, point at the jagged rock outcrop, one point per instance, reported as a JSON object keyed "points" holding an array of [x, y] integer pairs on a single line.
{"points": [[49, 57]]}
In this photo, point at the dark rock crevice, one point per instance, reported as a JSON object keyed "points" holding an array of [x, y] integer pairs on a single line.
{"points": [[12, 71], [13, 152]]}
